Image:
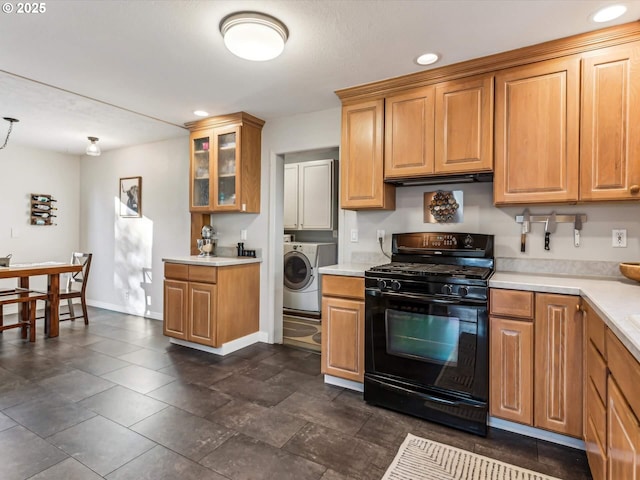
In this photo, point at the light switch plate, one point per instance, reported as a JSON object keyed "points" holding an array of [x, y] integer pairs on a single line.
{"points": [[354, 235]]}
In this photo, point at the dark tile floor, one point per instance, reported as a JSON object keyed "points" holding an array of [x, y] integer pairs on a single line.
{"points": [[116, 400]]}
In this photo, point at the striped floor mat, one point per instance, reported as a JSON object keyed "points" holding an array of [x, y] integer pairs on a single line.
{"points": [[421, 459]]}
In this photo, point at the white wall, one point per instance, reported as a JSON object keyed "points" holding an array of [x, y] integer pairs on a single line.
{"points": [[26, 170], [480, 216], [279, 136], [125, 248]]}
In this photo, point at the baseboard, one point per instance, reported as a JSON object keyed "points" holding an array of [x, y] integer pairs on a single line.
{"points": [[536, 433], [123, 309], [341, 382], [228, 347]]}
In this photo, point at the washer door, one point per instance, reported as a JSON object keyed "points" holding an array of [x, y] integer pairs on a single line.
{"points": [[297, 271]]}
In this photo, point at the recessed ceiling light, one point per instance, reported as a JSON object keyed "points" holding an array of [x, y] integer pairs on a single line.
{"points": [[609, 13], [427, 59], [200, 113], [254, 36]]}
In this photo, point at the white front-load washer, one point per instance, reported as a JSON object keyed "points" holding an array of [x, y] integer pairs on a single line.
{"points": [[301, 283]]}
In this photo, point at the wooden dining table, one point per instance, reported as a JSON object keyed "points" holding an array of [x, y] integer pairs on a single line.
{"points": [[24, 271]]}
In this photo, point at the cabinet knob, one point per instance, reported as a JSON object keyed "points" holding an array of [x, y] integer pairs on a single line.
{"points": [[635, 189], [579, 308]]}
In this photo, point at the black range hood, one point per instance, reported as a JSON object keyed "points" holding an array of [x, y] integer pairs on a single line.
{"points": [[443, 179]]}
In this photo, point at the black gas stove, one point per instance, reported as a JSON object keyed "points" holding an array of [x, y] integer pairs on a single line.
{"points": [[449, 264], [426, 323]]}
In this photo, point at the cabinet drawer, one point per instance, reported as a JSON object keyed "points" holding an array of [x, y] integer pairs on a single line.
{"points": [[177, 271], [345, 287], [625, 369], [511, 303], [596, 330], [200, 273], [595, 435], [596, 414], [597, 370]]}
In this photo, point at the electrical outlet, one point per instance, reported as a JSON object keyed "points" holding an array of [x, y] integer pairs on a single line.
{"points": [[354, 235], [619, 238], [243, 234], [126, 295], [380, 235]]}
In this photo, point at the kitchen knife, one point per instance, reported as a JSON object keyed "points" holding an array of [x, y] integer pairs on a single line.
{"points": [[525, 229], [549, 228], [577, 226]]}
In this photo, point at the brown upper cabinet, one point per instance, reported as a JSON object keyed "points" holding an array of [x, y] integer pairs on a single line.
{"points": [[537, 120], [440, 129], [464, 125], [610, 131], [564, 126], [225, 161], [361, 166], [409, 135]]}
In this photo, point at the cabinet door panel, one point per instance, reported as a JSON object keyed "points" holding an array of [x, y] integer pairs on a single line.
{"points": [[537, 120], [362, 169], [200, 171], [511, 359], [409, 134], [315, 196], [175, 309], [343, 338], [623, 437], [202, 317], [558, 380], [227, 169], [464, 125], [290, 214], [610, 136]]}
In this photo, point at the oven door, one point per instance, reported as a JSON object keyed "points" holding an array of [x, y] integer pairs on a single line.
{"points": [[433, 342]]}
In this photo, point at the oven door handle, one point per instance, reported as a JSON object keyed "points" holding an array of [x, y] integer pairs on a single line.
{"points": [[376, 292]]}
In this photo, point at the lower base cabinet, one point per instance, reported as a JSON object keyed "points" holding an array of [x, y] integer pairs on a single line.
{"points": [[623, 433], [343, 327], [211, 305], [536, 360]]}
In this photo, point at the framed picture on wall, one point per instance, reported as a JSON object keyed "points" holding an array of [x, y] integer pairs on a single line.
{"points": [[131, 197]]}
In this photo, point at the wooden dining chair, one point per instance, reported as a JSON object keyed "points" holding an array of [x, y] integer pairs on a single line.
{"points": [[27, 299], [76, 286]]}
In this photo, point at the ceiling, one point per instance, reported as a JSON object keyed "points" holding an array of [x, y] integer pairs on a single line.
{"points": [[132, 72]]}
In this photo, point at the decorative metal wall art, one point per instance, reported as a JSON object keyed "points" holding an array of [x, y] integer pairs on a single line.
{"points": [[443, 206]]}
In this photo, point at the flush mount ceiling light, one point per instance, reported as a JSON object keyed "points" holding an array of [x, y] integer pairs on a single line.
{"points": [[11, 122], [609, 13], [254, 36], [427, 59], [200, 113], [93, 149]]}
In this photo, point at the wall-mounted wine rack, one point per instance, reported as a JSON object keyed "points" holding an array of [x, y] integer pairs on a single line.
{"points": [[42, 209]]}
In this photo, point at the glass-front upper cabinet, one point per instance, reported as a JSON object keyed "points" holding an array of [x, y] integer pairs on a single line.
{"points": [[200, 171], [225, 164], [227, 168]]}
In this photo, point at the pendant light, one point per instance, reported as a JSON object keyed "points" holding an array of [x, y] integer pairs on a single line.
{"points": [[254, 36], [93, 149], [11, 122]]}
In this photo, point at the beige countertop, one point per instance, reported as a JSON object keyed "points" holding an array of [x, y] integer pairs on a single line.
{"points": [[212, 261], [346, 269], [616, 300]]}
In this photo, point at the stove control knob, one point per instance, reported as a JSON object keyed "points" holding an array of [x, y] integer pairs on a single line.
{"points": [[463, 291], [395, 286], [382, 284], [447, 289]]}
